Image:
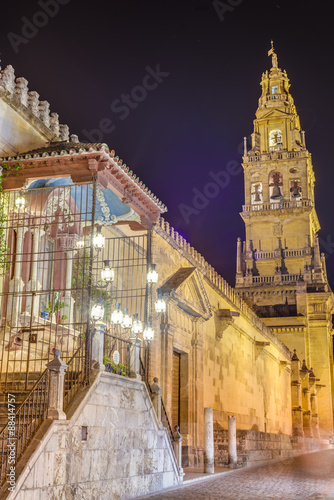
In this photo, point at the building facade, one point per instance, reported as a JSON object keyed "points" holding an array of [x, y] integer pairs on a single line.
{"points": [[280, 271], [90, 268]]}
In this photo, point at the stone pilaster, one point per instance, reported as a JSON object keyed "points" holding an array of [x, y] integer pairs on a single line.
{"points": [[56, 394], [296, 397], [306, 401]]}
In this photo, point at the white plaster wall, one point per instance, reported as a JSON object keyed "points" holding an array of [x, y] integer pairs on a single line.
{"points": [[126, 454]]}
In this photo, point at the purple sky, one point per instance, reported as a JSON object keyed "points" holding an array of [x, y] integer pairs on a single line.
{"points": [[85, 60]]}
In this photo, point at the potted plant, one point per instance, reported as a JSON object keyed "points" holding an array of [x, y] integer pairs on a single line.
{"points": [[53, 307]]}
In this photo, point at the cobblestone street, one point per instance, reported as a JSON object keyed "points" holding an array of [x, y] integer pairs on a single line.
{"points": [[307, 476]]}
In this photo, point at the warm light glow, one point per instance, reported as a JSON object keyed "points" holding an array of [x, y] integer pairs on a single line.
{"points": [[152, 275], [20, 202], [137, 325], [97, 312], [160, 304], [99, 239], [117, 315], [148, 332], [107, 274], [80, 244], [127, 320]]}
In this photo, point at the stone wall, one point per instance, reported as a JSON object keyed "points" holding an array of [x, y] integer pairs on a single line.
{"points": [[126, 453], [232, 364], [257, 448]]}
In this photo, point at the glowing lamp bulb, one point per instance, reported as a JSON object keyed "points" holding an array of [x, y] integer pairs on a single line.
{"points": [[20, 202], [99, 239], [107, 274], [127, 320], [137, 325], [117, 315], [152, 275], [160, 304], [97, 312], [148, 334]]}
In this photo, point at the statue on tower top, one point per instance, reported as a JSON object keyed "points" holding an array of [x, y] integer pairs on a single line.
{"points": [[274, 55]]}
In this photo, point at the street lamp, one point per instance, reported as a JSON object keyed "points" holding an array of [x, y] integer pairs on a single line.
{"points": [[98, 239], [148, 334], [117, 315], [137, 325], [160, 304], [152, 275], [97, 312], [20, 202], [107, 274], [127, 320]]}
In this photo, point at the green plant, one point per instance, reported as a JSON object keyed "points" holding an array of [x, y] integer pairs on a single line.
{"points": [[55, 305], [125, 369]]}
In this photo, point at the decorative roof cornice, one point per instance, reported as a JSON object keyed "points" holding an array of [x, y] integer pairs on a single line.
{"points": [[81, 161], [15, 92]]}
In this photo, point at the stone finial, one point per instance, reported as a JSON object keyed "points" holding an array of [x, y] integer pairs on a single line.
{"points": [[54, 124], [74, 138], [64, 132], [7, 78], [33, 102], [155, 387], [21, 90], [57, 364], [304, 367], [294, 356], [44, 112]]}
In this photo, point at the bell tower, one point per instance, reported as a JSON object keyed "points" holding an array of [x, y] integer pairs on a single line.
{"points": [[280, 272]]}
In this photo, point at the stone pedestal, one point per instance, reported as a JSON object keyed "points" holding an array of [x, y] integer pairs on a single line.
{"points": [[156, 397], [56, 394], [134, 358], [209, 457], [178, 449], [232, 441], [98, 345]]}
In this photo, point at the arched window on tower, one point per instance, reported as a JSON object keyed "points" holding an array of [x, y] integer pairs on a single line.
{"points": [[295, 190], [275, 187], [256, 193], [275, 140]]}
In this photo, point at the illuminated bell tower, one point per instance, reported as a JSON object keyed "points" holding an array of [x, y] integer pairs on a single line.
{"points": [[280, 272]]}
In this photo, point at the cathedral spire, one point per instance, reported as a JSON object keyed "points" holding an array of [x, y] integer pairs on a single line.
{"points": [[273, 55]]}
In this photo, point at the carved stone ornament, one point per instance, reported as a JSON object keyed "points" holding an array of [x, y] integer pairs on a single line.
{"points": [[223, 319]]}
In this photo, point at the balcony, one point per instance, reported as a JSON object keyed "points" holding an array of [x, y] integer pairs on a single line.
{"points": [[280, 205]]}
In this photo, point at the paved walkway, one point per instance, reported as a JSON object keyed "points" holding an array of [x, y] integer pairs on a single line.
{"points": [[307, 476]]}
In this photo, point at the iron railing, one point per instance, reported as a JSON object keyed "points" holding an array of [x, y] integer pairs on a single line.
{"points": [[164, 415], [23, 424], [74, 375]]}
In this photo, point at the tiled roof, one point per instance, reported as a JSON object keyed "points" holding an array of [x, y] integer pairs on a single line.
{"points": [[74, 147]]}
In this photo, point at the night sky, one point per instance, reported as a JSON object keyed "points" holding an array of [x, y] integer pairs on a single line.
{"points": [[192, 123]]}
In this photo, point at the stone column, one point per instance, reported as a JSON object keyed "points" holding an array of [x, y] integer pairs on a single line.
{"points": [[56, 395], [306, 400], [156, 397], [209, 450], [232, 442], [296, 397], [68, 299], [16, 284], [134, 358], [239, 257], [178, 449], [33, 285], [98, 345]]}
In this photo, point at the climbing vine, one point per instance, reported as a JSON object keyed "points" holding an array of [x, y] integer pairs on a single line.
{"points": [[5, 171]]}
